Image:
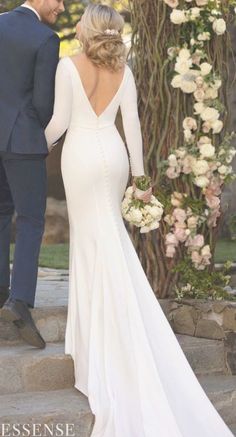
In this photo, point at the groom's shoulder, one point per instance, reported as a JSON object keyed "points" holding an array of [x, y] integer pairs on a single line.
{"points": [[36, 28]]}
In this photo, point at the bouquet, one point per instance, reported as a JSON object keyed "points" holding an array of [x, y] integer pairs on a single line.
{"points": [[144, 214]]}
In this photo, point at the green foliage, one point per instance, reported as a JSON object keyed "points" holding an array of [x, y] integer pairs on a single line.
{"points": [[202, 284]]}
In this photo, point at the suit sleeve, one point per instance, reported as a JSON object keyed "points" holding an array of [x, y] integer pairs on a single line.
{"points": [[60, 120], [44, 79], [132, 128]]}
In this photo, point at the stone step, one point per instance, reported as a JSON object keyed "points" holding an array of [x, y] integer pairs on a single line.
{"points": [[69, 406], [50, 320], [25, 369], [233, 428], [66, 408], [221, 390], [205, 356]]}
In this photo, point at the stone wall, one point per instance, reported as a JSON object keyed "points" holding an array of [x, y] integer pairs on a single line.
{"points": [[208, 319]]}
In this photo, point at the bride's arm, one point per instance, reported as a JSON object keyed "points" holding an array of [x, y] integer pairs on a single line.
{"points": [[62, 106], [131, 124], [132, 129]]}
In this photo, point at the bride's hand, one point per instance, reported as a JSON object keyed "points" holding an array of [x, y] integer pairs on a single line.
{"points": [[145, 196]]}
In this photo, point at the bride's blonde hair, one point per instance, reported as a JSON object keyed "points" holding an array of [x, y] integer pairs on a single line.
{"points": [[100, 33]]}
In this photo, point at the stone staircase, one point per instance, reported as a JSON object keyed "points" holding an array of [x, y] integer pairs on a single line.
{"points": [[37, 386]]}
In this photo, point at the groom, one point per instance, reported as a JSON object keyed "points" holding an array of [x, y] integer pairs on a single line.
{"points": [[29, 53]]}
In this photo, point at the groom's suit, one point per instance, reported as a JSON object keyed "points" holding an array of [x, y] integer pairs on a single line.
{"points": [[28, 61]]}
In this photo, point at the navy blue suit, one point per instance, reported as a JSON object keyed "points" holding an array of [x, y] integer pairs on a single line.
{"points": [[29, 53]]}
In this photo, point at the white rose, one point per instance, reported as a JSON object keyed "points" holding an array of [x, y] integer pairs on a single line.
{"points": [[217, 126], [209, 114], [205, 68], [172, 160], [205, 251], [204, 36], [207, 150], [176, 81], [180, 153], [183, 66], [223, 169], [136, 215], [219, 26], [190, 123], [211, 93], [199, 107], [201, 181], [195, 12], [184, 54], [217, 84], [188, 87], [188, 134], [200, 167], [178, 17], [199, 95]]}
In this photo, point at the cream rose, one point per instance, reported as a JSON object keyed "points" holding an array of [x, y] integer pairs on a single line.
{"points": [[200, 167], [209, 114], [199, 95], [178, 17], [183, 65], [207, 150], [201, 181], [176, 81], [172, 3], [205, 68], [184, 54], [201, 2], [219, 26], [188, 87], [217, 126], [190, 123]]}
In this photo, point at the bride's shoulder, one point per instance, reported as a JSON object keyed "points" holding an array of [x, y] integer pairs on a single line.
{"points": [[64, 64]]}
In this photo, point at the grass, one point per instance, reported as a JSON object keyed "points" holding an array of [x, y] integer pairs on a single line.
{"points": [[56, 256], [225, 250]]}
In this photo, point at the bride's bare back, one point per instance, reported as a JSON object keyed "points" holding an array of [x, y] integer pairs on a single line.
{"points": [[100, 84]]}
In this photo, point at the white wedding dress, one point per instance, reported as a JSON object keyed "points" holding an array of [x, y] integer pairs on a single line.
{"points": [[127, 359]]}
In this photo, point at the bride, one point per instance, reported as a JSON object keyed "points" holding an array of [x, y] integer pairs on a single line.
{"points": [[127, 360]]}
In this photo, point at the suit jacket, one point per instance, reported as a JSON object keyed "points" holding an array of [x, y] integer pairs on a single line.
{"points": [[29, 53]]}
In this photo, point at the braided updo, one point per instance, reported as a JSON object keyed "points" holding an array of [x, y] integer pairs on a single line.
{"points": [[101, 36]]}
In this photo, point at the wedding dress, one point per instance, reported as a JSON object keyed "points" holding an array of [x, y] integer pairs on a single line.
{"points": [[127, 359]]}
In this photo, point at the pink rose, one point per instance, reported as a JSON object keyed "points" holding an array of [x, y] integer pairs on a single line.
{"points": [[179, 214], [196, 257], [170, 251], [171, 239], [180, 234], [172, 172]]}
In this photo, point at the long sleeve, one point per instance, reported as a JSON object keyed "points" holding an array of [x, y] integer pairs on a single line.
{"points": [[44, 78], [132, 128], [62, 105]]}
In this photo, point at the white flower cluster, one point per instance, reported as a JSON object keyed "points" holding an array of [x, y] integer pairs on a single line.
{"points": [[207, 165], [146, 216], [180, 16]]}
